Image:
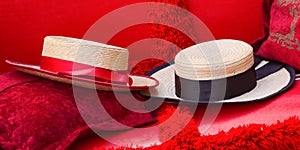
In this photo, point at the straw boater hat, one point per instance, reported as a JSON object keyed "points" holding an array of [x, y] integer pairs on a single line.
{"points": [[86, 63], [220, 71]]}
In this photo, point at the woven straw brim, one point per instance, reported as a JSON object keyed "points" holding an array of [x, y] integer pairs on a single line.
{"points": [[266, 87], [139, 82]]}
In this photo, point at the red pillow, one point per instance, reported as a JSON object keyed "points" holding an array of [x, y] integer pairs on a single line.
{"points": [[282, 32], [37, 113]]}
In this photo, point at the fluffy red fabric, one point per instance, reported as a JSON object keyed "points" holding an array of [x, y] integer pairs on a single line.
{"points": [[163, 51], [283, 135], [177, 39], [146, 65]]}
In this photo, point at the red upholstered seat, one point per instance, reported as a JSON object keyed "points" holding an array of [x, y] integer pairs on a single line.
{"points": [[38, 113]]}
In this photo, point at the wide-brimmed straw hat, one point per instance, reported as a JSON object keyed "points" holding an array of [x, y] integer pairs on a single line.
{"points": [[86, 63], [220, 71]]}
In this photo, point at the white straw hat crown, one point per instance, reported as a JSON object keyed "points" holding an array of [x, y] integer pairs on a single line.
{"points": [[214, 60]]}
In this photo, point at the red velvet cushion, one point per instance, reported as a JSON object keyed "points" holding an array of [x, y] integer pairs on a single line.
{"points": [[38, 113], [283, 32]]}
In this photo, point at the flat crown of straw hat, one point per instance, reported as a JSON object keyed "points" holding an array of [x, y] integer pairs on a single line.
{"points": [[214, 60], [86, 52]]}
